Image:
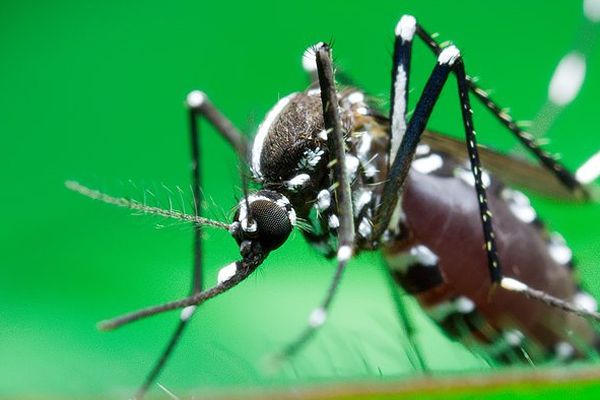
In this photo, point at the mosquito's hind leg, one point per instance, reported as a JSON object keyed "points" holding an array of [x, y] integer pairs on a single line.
{"points": [[449, 60], [526, 139], [198, 106]]}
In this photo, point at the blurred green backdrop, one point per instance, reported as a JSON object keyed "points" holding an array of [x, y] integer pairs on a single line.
{"points": [[94, 91]]}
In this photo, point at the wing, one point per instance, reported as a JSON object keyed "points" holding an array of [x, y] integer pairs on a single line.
{"points": [[511, 170]]}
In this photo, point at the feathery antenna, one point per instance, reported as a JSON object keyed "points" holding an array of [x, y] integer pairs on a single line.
{"points": [[144, 208]]}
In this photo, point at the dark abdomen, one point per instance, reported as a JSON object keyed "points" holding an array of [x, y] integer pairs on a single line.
{"points": [[442, 217]]}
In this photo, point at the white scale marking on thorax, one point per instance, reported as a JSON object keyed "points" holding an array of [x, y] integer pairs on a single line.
{"points": [[427, 165], [263, 130]]}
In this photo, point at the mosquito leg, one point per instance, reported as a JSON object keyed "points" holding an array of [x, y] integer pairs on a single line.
{"points": [[527, 140], [410, 140], [335, 143], [407, 324], [404, 33], [484, 211], [405, 30], [198, 106], [309, 64], [486, 216], [449, 60]]}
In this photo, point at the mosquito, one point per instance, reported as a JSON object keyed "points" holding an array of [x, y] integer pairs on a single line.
{"points": [[470, 249]]}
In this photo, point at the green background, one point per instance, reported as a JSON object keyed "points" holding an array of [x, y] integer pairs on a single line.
{"points": [[94, 91]]}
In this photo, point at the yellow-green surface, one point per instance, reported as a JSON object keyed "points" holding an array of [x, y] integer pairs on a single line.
{"points": [[94, 91]]}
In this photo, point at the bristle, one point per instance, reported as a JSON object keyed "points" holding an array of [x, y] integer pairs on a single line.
{"points": [[142, 207]]}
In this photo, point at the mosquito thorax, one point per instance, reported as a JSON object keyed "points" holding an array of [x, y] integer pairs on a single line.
{"points": [[290, 148], [289, 156], [269, 222]]}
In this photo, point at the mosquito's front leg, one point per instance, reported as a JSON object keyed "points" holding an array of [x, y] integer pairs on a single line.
{"points": [[337, 154], [198, 106]]}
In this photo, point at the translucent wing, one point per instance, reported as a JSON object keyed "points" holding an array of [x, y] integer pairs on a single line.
{"points": [[514, 171]]}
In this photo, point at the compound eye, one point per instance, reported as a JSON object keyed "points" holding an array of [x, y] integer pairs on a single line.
{"points": [[273, 223]]}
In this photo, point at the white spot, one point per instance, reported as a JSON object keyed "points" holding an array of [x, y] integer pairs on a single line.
{"points": [[313, 92], [298, 181], [397, 216], [323, 200], [311, 158], [351, 166], [263, 130], [356, 97], [234, 227], [406, 27], [399, 117], [519, 205], [564, 350], [514, 337], [282, 201], [344, 253], [370, 170], [585, 301], [590, 170], [195, 99], [187, 313], [558, 249], [423, 150], [364, 228], [424, 255], [464, 305], [249, 228], [309, 59], [334, 222], [317, 317], [364, 146], [364, 197], [513, 285], [427, 165], [227, 272], [323, 134], [292, 216], [467, 177], [591, 10], [449, 55], [362, 110], [567, 79], [417, 255]]}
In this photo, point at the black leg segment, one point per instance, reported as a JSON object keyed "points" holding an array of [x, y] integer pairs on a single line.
{"points": [[408, 146], [526, 139], [405, 31], [198, 106], [337, 155]]}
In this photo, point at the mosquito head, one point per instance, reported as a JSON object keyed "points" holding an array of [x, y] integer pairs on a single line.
{"points": [[269, 222]]}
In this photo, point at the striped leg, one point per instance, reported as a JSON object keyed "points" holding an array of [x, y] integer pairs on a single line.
{"points": [[526, 139], [400, 74], [449, 60], [335, 143]]}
